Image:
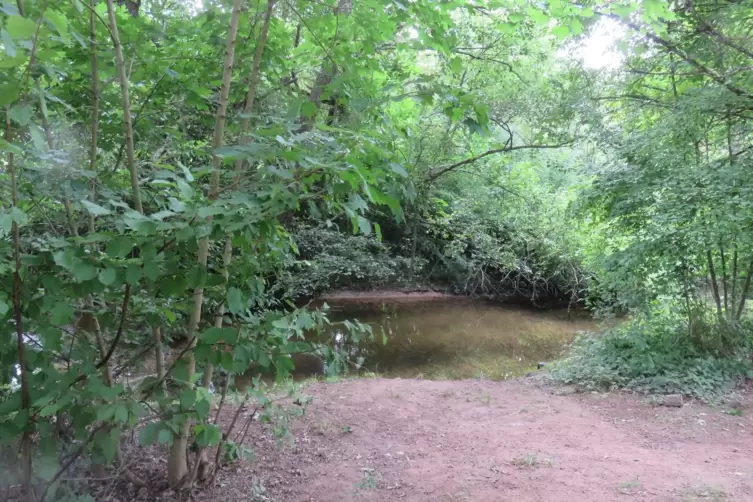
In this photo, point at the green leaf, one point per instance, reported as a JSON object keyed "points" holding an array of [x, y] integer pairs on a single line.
{"points": [[207, 435], [561, 31], [133, 274], [108, 276], [120, 247], [109, 444], [20, 114], [37, 137], [187, 398], [235, 301], [215, 335], [148, 435], [6, 222], [121, 413], [576, 26], [456, 64], [537, 16], [64, 258], [59, 22], [10, 47], [62, 313], [364, 225], [95, 209], [309, 109], [20, 27], [202, 409], [19, 216], [398, 169], [151, 270], [9, 62], [83, 271], [378, 231], [9, 147], [165, 436]]}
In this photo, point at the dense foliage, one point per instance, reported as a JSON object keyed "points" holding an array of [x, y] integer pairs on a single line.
{"points": [[178, 176]]}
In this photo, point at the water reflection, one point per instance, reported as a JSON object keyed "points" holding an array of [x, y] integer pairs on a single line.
{"points": [[456, 338]]}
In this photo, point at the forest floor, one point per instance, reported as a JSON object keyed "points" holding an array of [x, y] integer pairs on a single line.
{"points": [[474, 440]]}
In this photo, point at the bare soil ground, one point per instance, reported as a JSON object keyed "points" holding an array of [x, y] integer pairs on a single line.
{"points": [[474, 440]]}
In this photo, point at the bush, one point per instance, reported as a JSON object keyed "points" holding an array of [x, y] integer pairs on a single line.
{"points": [[654, 355], [330, 259]]}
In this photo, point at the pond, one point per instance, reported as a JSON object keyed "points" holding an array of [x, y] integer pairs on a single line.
{"points": [[456, 338]]}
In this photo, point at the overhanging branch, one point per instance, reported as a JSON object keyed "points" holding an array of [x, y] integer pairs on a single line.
{"points": [[673, 48], [441, 172]]}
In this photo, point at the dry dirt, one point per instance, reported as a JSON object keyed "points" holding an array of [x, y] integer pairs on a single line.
{"points": [[473, 440]]}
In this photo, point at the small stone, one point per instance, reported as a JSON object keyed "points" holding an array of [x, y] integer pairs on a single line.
{"points": [[673, 400]]}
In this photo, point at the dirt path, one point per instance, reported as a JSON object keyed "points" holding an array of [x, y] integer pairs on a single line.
{"points": [[414, 440]]}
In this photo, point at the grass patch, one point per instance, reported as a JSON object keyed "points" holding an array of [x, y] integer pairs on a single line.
{"points": [[703, 493], [531, 460], [629, 487]]}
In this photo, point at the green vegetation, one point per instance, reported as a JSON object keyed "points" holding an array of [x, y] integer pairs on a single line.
{"points": [[656, 355], [178, 178]]}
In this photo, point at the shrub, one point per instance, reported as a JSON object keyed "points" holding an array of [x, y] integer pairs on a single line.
{"points": [[655, 355], [330, 259]]}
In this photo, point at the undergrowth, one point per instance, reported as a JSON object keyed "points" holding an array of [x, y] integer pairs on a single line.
{"points": [[659, 355]]}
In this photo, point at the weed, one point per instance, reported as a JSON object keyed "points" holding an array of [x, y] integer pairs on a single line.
{"points": [[703, 493], [485, 398], [531, 460], [369, 481], [629, 487], [735, 412]]}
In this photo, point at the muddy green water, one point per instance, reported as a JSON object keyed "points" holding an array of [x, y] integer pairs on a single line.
{"points": [[458, 338]]}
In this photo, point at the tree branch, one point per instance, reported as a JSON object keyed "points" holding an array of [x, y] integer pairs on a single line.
{"points": [[441, 172], [671, 47]]}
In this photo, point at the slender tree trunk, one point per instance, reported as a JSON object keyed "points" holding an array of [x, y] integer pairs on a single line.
{"points": [[18, 317], [254, 80], [127, 119], [95, 102], [414, 242], [94, 324], [177, 467], [733, 295], [714, 285], [745, 291], [26, 439], [201, 469], [724, 278]]}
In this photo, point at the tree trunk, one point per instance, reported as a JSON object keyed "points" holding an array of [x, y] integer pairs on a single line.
{"points": [[127, 119], [177, 467], [202, 467], [414, 242], [733, 295], [18, 317], [724, 278], [744, 292], [714, 285]]}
